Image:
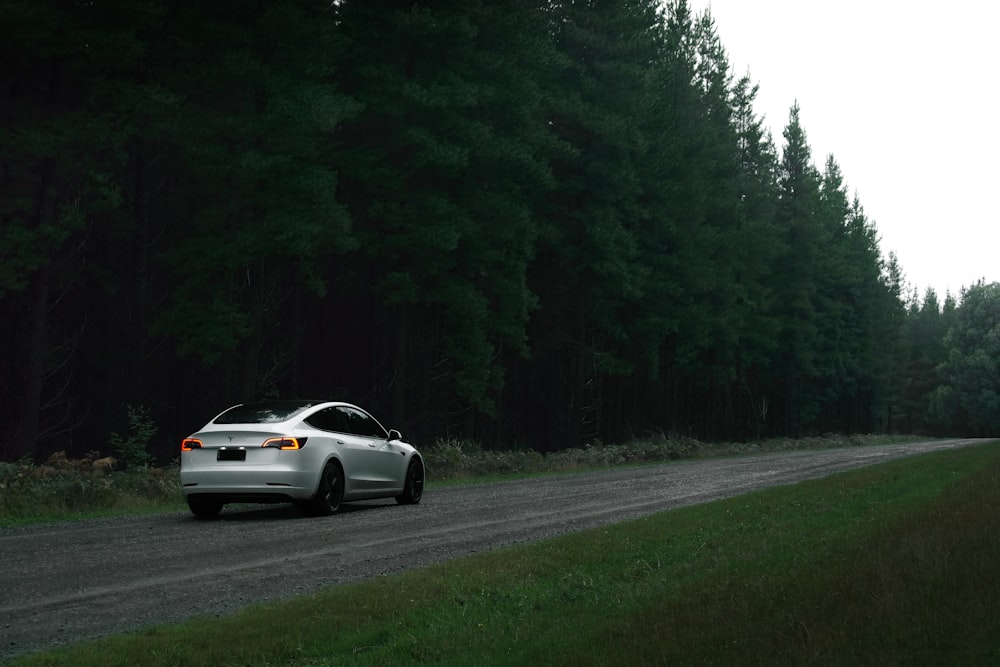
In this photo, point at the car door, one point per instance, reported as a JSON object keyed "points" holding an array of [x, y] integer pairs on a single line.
{"points": [[354, 449], [383, 462]]}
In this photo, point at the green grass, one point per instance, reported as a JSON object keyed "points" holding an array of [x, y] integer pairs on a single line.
{"points": [[894, 564], [35, 494]]}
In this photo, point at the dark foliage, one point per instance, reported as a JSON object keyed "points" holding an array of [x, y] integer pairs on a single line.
{"points": [[538, 223]]}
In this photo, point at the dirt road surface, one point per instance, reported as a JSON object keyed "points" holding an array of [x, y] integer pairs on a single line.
{"points": [[73, 581]]}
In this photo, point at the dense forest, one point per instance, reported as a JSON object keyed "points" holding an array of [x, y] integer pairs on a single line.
{"points": [[528, 224]]}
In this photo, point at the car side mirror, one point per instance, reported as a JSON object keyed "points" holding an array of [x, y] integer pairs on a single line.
{"points": [[395, 435]]}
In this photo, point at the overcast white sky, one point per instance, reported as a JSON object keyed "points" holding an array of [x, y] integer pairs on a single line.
{"points": [[905, 96]]}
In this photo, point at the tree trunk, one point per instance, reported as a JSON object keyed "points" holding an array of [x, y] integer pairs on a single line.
{"points": [[27, 442], [36, 344], [399, 370]]}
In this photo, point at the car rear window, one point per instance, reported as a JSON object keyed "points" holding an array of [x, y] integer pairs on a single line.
{"points": [[263, 413]]}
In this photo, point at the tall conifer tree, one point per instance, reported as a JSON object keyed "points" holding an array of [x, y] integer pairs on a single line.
{"points": [[445, 167], [260, 113], [796, 280]]}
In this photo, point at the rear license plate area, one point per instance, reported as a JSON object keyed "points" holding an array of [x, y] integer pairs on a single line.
{"points": [[231, 455]]}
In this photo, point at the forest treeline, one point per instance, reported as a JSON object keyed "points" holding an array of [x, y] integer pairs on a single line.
{"points": [[534, 224]]}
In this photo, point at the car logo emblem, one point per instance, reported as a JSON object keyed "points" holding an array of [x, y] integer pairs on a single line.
{"points": [[230, 438]]}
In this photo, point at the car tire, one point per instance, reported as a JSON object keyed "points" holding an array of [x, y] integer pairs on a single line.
{"points": [[413, 487], [205, 509], [329, 493]]}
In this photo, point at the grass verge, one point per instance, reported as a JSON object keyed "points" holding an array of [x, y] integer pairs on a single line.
{"points": [[62, 489], [892, 564], [36, 494]]}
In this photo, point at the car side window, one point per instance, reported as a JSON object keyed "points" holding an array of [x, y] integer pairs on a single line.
{"points": [[346, 421], [330, 419], [365, 425]]}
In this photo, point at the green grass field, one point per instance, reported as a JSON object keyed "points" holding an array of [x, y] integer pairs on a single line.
{"points": [[895, 564]]}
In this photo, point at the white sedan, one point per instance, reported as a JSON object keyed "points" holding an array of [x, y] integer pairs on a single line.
{"points": [[314, 454]]}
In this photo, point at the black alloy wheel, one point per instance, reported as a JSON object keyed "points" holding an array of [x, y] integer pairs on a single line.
{"points": [[330, 491], [413, 487]]}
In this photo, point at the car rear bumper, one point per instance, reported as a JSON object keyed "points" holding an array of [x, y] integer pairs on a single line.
{"points": [[246, 484]]}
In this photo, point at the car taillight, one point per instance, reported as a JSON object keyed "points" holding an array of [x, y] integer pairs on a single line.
{"points": [[285, 443], [190, 443]]}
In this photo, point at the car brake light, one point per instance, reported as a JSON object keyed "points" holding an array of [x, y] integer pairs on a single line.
{"points": [[190, 443], [285, 443]]}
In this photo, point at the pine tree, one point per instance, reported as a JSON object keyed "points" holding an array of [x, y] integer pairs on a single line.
{"points": [[58, 94], [761, 247], [970, 401], [443, 171], [880, 314], [796, 281], [260, 115], [924, 340], [591, 271]]}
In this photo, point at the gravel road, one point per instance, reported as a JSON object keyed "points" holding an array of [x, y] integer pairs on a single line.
{"points": [[74, 581]]}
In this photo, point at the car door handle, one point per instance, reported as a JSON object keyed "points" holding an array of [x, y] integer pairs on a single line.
{"points": [[371, 444]]}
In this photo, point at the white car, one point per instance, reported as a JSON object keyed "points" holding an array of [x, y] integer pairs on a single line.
{"points": [[314, 454]]}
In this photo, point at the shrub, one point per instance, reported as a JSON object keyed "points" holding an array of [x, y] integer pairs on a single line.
{"points": [[446, 457], [134, 449], [72, 487]]}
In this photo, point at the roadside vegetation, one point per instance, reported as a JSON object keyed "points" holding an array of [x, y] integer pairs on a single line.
{"points": [[890, 564], [94, 485], [547, 222]]}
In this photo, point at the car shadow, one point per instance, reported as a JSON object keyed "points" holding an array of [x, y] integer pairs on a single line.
{"points": [[286, 512]]}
